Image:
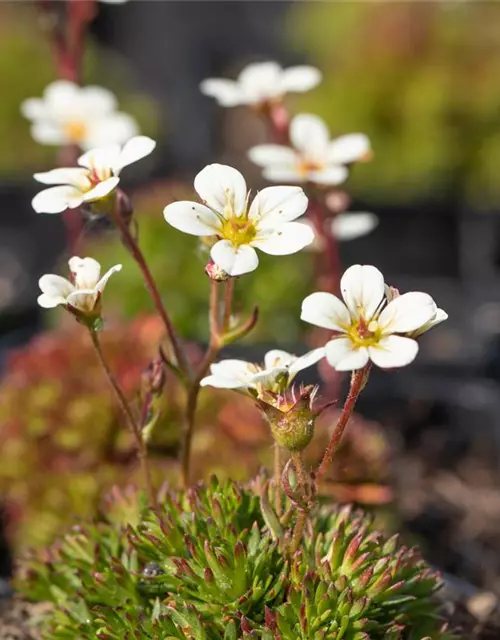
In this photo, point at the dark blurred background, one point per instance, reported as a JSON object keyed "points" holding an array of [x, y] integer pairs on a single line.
{"points": [[422, 79]]}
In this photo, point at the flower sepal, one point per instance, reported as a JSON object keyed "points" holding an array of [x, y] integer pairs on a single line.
{"points": [[90, 319], [290, 416]]}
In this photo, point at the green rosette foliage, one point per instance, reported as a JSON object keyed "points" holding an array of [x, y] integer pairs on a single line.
{"points": [[206, 566]]}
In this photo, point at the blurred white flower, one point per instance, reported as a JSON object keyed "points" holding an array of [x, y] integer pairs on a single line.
{"points": [[261, 82], [266, 225], [95, 178], [83, 116], [366, 326], [278, 371], [314, 157], [346, 226], [82, 293]]}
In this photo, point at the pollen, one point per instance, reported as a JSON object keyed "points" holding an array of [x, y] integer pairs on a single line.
{"points": [[364, 334], [75, 131], [307, 166], [239, 231]]}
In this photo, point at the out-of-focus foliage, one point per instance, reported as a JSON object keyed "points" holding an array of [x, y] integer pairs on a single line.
{"points": [[64, 443], [177, 261], [421, 79], [26, 67], [205, 566]]}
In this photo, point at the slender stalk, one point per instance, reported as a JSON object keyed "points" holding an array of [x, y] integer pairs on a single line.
{"points": [[298, 530], [277, 479], [134, 249], [132, 422], [330, 244], [358, 381], [218, 328]]}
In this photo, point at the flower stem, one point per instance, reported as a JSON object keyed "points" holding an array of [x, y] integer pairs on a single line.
{"points": [[215, 344], [330, 247], [358, 381], [277, 479], [298, 530], [303, 486], [133, 424], [133, 247]]}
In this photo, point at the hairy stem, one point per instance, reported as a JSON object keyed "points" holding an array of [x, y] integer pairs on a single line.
{"points": [[132, 422], [214, 346], [133, 247], [303, 486], [329, 256], [277, 480], [358, 381]]}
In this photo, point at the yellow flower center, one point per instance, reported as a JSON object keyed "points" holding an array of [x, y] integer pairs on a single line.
{"points": [[238, 231], [364, 334], [75, 130], [304, 167]]}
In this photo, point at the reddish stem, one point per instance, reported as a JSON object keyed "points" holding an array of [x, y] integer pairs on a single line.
{"points": [[329, 277], [358, 381]]}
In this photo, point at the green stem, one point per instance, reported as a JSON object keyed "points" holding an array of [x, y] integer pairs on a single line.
{"points": [[133, 424], [277, 480]]}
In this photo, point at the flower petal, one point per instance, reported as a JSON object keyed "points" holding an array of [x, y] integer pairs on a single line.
{"points": [[234, 260], [333, 175], [278, 358], [349, 148], [219, 185], [265, 155], [83, 299], [362, 288], [86, 272], [98, 100], [325, 310], [349, 226], [407, 313], [284, 174], [300, 78], [275, 205], [309, 134], [54, 286], [103, 281], [57, 199], [49, 302], [393, 351], [230, 374], [33, 109], [440, 316], [307, 360], [284, 239], [47, 132], [116, 128], [343, 355], [133, 150], [260, 81], [101, 190], [74, 176], [226, 92], [193, 218]]}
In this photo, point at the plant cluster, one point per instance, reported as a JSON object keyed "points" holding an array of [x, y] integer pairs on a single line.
{"points": [[206, 565]]}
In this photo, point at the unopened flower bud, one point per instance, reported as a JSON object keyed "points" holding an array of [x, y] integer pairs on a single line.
{"points": [[214, 272], [291, 419], [153, 378]]}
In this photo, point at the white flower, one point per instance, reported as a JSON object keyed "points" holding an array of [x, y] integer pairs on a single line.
{"points": [[82, 293], [346, 226], [266, 225], [84, 116], [261, 82], [278, 371], [314, 157], [97, 176], [367, 327]]}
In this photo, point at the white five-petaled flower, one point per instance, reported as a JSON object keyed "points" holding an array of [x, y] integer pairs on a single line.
{"points": [[95, 178], [82, 293], [261, 82], [313, 157], [266, 224], [277, 373], [84, 116], [367, 327]]}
